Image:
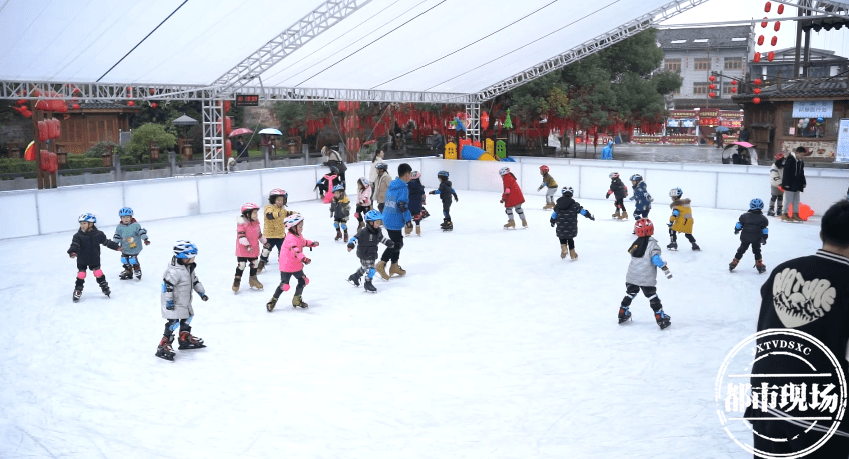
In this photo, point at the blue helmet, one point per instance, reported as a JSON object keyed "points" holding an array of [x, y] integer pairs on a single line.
{"points": [[125, 212], [339, 187], [373, 216], [756, 204], [185, 250], [442, 174], [676, 193], [86, 217]]}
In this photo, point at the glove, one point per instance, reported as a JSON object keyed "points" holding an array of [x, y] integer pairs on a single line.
{"points": [[314, 244], [502, 201], [267, 245], [763, 240], [357, 215], [247, 248], [781, 188], [146, 242], [591, 217], [350, 246], [666, 271], [607, 196], [736, 231], [669, 224], [540, 187], [204, 297], [390, 244], [432, 192], [552, 222], [408, 224], [72, 255], [307, 261], [169, 305], [631, 198]]}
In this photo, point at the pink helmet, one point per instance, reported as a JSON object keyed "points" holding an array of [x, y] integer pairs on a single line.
{"points": [[544, 169], [249, 207], [292, 220], [277, 192]]}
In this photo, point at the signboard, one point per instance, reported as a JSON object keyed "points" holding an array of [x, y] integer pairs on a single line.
{"points": [[645, 139], [812, 108], [683, 140], [816, 148], [731, 115], [247, 100], [842, 152], [683, 114], [709, 113]]}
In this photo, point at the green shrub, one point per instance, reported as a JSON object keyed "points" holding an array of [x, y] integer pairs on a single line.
{"points": [[103, 147], [14, 165]]}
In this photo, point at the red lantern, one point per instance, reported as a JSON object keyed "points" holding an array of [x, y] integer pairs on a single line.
{"points": [[767, 7], [733, 82], [763, 24], [756, 100], [43, 132], [756, 90], [153, 105], [152, 91], [76, 106], [228, 126], [773, 41], [226, 106], [780, 10], [770, 56], [757, 57], [733, 89], [228, 148], [713, 94], [45, 161], [484, 120], [758, 81], [712, 78], [131, 103], [777, 23], [712, 86], [760, 40]]}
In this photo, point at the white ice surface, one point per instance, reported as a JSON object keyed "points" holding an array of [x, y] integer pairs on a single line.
{"points": [[490, 347]]}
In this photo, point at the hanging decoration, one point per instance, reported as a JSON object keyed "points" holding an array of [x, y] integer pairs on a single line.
{"points": [[508, 123]]}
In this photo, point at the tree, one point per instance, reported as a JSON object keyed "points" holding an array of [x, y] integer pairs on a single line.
{"points": [[149, 133]]}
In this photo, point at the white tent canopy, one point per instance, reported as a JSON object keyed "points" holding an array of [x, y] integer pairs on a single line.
{"points": [[417, 46]]}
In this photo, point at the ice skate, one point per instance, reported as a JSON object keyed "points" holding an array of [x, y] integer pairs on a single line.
{"points": [[104, 286], [367, 285], [236, 282], [616, 214], [127, 273], [564, 250], [796, 218], [260, 267], [733, 264], [573, 255], [696, 247], [672, 246], [759, 265], [380, 267], [270, 305], [447, 225], [549, 205], [771, 212], [354, 279], [396, 269], [624, 314], [524, 223], [785, 218], [338, 235], [77, 295], [418, 230], [408, 230], [254, 283], [624, 215], [662, 319], [510, 224], [188, 341], [164, 350], [298, 302], [137, 272], [345, 236]]}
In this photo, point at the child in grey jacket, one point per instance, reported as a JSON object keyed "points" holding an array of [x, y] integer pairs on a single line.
{"points": [[367, 240], [130, 235], [177, 284], [642, 273]]}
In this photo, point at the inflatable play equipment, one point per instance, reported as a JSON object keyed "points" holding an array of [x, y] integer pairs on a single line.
{"points": [[805, 211]]}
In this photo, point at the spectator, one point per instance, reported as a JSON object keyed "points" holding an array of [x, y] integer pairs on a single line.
{"points": [[377, 159], [438, 142], [334, 159], [241, 149], [744, 134], [720, 142], [793, 183]]}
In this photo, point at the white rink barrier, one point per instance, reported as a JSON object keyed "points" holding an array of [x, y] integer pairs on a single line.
{"points": [[33, 212]]}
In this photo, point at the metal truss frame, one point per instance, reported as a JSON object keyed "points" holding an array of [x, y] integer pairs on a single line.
{"points": [[317, 21], [591, 46], [213, 137], [473, 121]]}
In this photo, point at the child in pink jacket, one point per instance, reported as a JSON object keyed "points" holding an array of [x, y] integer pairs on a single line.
{"points": [[292, 261], [363, 201], [248, 237]]}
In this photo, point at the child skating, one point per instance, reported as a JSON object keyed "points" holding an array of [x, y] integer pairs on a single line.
{"points": [[363, 201], [641, 196], [445, 192], [642, 273], [565, 215], [85, 247], [177, 284], [340, 208], [273, 228], [326, 184], [619, 191], [416, 193], [681, 220], [366, 241], [547, 181], [292, 261], [776, 175], [512, 198], [752, 228], [130, 235], [248, 239]]}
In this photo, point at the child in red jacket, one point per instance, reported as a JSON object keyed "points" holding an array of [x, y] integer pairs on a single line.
{"points": [[512, 198]]}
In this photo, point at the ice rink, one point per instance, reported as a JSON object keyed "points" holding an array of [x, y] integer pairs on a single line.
{"points": [[490, 347]]}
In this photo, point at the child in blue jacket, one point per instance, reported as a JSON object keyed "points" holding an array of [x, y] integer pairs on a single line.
{"points": [[130, 235], [641, 196]]}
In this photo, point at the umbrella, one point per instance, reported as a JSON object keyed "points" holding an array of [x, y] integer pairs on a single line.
{"points": [[722, 129], [241, 131], [727, 153], [270, 131], [184, 121]]}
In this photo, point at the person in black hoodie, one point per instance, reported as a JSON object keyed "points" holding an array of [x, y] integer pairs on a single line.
{"points": [[753, 226], [619, 191], [416, 204], [445, 191], [367, 240], [85, 247], [565, 215], [811, 295], [793, 183]]}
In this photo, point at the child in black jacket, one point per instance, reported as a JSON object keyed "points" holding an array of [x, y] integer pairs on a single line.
{"points": [[565, 215], [85, 247], [415, 205], [366, 241], [445, 191], [619, 192], [753, 226]]}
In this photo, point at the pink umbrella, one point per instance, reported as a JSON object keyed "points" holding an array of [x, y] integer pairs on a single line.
{"points": [[240, 131], [743, 144]]}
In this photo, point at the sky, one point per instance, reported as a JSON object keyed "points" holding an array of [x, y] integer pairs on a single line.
{"points": [[736, 10]]}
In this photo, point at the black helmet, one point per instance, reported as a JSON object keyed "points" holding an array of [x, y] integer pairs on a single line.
{"points": [[334, 170]]}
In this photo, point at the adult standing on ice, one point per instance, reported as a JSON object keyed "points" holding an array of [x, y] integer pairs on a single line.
{"points": [[512, 198], [396, 214], [793, 183]]}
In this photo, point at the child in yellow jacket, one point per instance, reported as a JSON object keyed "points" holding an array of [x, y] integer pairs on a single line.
{"points": [[273, 227], [681, 220]]}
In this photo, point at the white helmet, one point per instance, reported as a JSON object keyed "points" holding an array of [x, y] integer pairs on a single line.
{"points": [[504, 171], [292, 220]]}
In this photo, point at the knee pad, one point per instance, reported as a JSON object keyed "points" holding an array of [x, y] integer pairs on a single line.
{"points": [[98, 273], [133, 260], [508, 211], [81, 275], [242, 265], [344, 227], [371, 272], [125, 261], [306, 280], [254, 262], [336, 225], [265, 253], [285, 287], [173, 324]]}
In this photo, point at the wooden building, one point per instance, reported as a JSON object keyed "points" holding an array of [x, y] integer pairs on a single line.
{"points": [[792, 113], [84, 127]]}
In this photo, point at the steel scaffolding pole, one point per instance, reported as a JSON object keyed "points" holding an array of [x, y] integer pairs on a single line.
{"points": [[213, 136], [473, 121]]}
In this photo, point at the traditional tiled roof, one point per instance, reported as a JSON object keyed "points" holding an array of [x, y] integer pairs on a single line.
{"points": [[833, 87], [717, 37], [689, 103], [105, 106]]}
